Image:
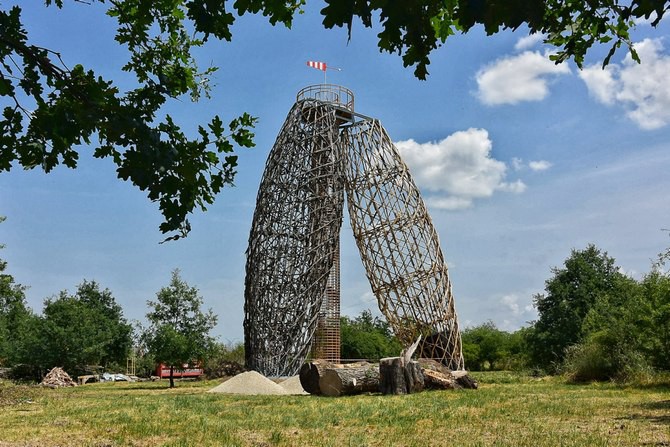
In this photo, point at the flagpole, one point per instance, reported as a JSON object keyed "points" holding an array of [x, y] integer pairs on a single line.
{"points": [[324, 67]]}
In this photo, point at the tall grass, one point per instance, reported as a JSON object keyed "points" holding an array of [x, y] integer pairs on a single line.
{"points": [[507, 410]]}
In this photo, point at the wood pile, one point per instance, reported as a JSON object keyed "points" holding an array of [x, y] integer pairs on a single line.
{"points": [[392, 376], [57, 378]]}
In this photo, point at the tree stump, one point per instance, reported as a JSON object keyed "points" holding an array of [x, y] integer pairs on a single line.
{"points": [[464, 380], [349, 380], [435, 380], [400, 377]]}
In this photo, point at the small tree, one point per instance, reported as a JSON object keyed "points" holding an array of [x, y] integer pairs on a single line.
{"points": [[179, 330]]}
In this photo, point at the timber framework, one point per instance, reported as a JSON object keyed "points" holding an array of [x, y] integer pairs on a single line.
{"points": [[325, 152]]}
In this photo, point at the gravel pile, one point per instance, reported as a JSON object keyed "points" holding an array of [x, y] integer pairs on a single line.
{"points": [[57, 378], [250, 382]]}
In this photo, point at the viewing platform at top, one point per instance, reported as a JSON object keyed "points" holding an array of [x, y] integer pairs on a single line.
{"points": [[341, 98]]}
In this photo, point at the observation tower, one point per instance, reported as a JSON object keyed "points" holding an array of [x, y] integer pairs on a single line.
{"points": [[325, 151]]}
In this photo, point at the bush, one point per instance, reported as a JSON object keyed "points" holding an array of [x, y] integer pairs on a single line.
{"points": [[145, 366], [367, 337], [600, 358], [487, 348], [224, 360]]}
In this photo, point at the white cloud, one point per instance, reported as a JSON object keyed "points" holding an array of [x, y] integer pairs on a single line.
{"points": [[458, 169], [449, 203], [529, 41], [511, 302], [516, 187], [540, 165], [512, 79], [642, 89], [601, 82]]}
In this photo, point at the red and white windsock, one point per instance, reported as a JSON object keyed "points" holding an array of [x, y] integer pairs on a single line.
{"points": [[318, 65]]}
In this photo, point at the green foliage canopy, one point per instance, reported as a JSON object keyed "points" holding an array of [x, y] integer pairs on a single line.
{"points": [[87, 328], [15, 317], [414, 29], [656, 291], [485, 347], [625, 334], [49, 109], [367, 337], [587, 276]]}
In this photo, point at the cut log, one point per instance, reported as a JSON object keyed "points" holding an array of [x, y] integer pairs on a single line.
{"points": [[414, 377], [310, 374], [439, 376], [346, 380], [398, 377]]}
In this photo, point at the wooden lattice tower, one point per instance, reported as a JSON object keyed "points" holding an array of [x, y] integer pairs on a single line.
{"points": [[293, 237], [398, 244], [292, 283]]}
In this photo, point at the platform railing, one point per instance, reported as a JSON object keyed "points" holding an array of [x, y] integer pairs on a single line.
{"points": [[330, 93]]}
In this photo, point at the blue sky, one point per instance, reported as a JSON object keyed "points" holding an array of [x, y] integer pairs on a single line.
{"points": [[519, 162]]}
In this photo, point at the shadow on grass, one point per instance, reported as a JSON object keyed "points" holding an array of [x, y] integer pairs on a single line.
{"points": [[661, 405], [150, 386]]}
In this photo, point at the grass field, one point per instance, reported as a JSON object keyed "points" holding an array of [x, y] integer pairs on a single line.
{"points": [[507, 410]]}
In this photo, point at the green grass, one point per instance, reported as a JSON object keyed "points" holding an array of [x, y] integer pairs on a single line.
{"points": [[507, 410]]}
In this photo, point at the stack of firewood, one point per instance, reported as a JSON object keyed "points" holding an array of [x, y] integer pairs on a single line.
{"points": [[57, 378]]}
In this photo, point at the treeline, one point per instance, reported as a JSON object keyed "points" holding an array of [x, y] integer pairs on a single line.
{"points": [[86, 328], [594, 323], [86, 331], [367, 338]]}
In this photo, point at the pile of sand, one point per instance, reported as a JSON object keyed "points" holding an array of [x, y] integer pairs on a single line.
{"points": [[250, 382], [293, 386], [253, 382]]}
